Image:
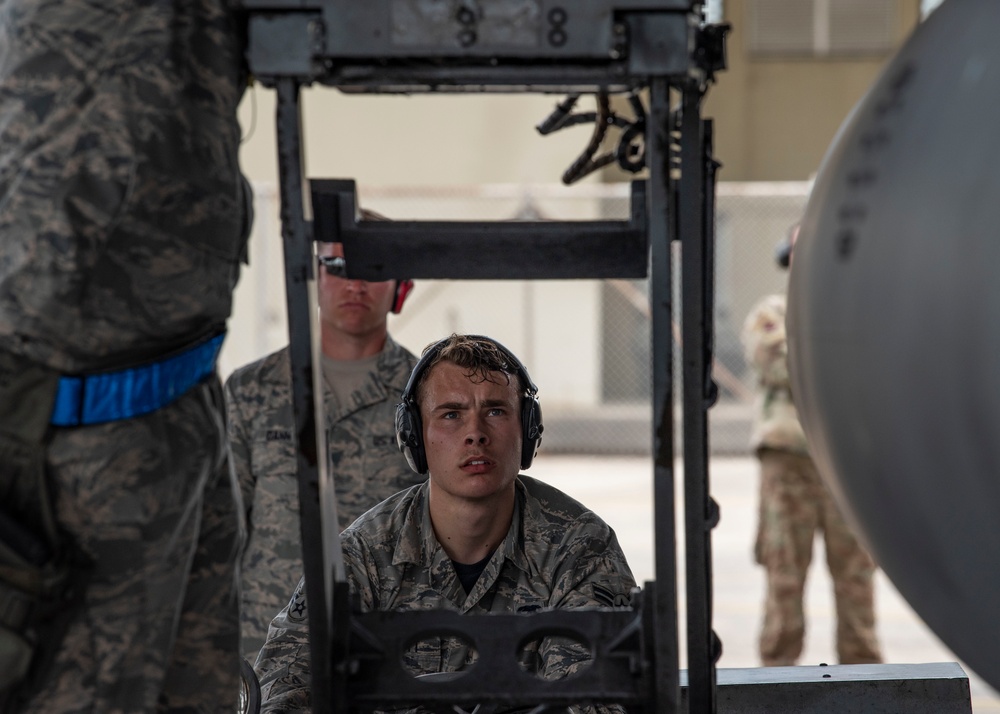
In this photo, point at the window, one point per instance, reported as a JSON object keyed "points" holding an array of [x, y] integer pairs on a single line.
{"points": [[821, 27]]}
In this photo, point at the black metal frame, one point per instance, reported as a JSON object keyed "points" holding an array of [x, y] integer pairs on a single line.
{"points": [[381, 638], [473, 250], [659, 47]]}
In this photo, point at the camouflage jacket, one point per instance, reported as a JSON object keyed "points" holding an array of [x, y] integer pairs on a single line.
{"points": [[776, 422], [557, 554], [365, 460], [123, 212]]}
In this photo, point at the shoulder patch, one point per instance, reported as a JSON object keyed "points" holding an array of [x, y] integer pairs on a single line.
{"points": [[609, 598], [297, 607]]}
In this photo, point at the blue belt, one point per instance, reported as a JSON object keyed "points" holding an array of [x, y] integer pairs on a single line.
{"points": [[127, 393]]}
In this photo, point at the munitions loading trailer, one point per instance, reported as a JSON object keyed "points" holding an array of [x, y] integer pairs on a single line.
{"points": [[662, 57], [514, 46]]}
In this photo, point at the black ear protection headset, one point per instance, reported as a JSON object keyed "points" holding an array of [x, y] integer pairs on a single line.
{"points": [[409, 428], [403, 288]]}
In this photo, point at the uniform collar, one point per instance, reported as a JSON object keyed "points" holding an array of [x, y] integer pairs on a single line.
{"points": [[416, 543], [391, 373]]}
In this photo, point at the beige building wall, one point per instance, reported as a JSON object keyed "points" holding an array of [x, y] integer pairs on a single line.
{"points": [[775, 116], [423, 139]]}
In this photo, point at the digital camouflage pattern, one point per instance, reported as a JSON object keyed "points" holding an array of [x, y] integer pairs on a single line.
{"points": [[124, 217], [157, 515], [364, 458], [776, 423], [794, 505], [557, 554], [121, 199]]}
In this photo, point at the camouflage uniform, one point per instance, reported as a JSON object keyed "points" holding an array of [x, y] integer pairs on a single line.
{"points": [[557, 554], [123, 215], [794, 504], [365, 461]]}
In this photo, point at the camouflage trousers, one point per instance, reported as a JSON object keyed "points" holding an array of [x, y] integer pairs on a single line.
{"points": [[794, 505], [152, 502]]}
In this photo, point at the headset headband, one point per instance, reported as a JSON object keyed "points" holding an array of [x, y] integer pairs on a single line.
{"points": [[409, 428]]}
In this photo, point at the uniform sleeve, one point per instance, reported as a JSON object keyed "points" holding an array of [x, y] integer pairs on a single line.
{"points": [[593, 573], [283, 662], [765, 344]]}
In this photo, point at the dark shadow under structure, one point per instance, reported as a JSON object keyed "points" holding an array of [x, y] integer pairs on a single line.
{"points": [[662, 57]]}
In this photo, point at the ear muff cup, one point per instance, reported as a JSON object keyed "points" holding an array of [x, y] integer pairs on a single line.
{"points": [[531, 423], [403, 288], [409, 428], [408, 435]]}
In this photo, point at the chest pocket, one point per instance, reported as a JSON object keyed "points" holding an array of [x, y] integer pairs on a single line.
{"points": [[383, 460], [438, 654], [272, 451], [365, 460]]}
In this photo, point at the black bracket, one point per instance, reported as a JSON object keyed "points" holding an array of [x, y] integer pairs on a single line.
{"points": [[710, 48], [480, 250]]}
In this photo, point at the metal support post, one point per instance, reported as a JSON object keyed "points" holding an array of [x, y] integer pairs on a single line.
{"points": [[664, 602], [701, 512], [298, 272]]}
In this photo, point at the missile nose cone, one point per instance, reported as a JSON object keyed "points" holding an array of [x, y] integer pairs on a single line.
{"points": [[894, 324]]}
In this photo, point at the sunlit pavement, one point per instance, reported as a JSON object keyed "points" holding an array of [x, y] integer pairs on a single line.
{"points": [[620, 490]]}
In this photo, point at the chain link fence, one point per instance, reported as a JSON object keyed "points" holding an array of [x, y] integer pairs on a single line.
{"points": [[586, 343]]}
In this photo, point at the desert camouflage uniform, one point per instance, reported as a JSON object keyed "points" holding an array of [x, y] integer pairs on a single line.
{"points": [[365, 460], [557, 554], [794, 504], [123, 215]]}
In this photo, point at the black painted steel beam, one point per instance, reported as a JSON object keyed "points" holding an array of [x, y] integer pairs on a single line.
{"points": [[664, 635], [309, 443], [480, 250]]}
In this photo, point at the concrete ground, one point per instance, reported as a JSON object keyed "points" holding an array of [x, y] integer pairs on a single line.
{"points": [[620, 490]]}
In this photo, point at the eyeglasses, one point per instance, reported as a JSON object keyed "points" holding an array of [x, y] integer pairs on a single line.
{"points": [[334, 265]]}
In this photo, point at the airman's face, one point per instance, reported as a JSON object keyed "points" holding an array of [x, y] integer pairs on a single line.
{"points": [[472, 432], [356, 308]]}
